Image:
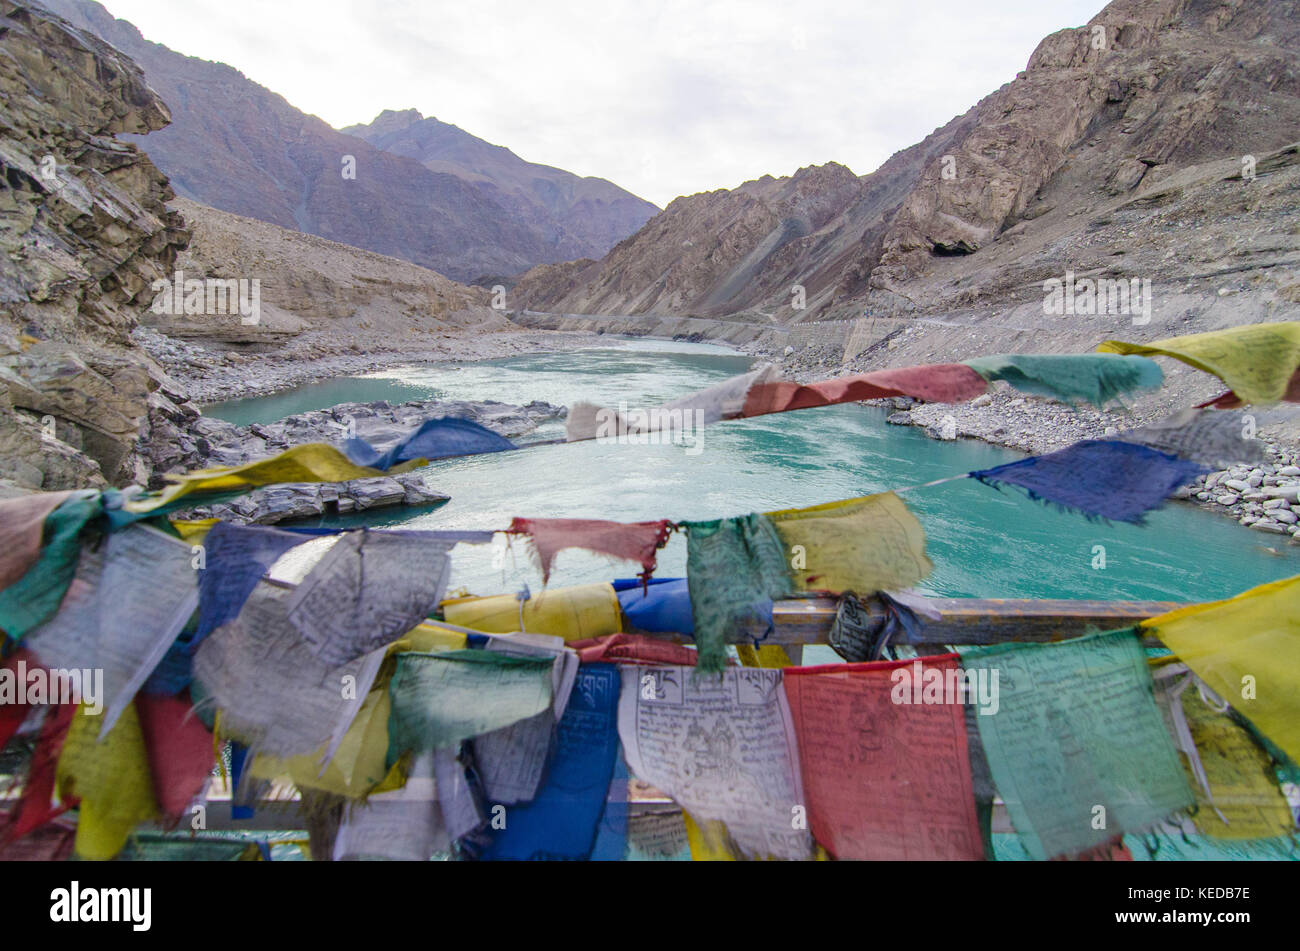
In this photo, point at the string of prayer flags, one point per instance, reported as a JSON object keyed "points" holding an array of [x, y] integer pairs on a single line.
{"points": [[367, 590], [935, 383], [735, 569], [573, 613], [236, 558], [629, 541], [34, 598], [126, 605], [1099, 478], [864, 545], [434, 439], [1096, 378], [438, 700], [882, 747], [1076, 744], [110, 774], [1211, 437], [723, 747], [1247, 650], [561, 822], [1256, 361], [1237, 793], [275, 694]]}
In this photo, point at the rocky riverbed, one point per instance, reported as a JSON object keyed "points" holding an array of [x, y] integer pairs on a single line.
{"points": [[208, 441]]}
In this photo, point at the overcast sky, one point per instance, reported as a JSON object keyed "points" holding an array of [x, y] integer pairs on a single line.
{"points": [[662, 97]]}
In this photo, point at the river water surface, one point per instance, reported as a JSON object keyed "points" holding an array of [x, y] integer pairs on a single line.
{"points": [[984, 542]]}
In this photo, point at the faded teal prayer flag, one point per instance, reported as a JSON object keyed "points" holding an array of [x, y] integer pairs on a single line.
{"points": [[1077, 747], [444, 698], [35, 597], [1098, 378]]}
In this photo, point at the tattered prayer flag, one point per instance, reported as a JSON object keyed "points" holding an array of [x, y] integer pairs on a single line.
{"points": [[22, 528], [35, 597], [735, 568], [310, 462], [1237, 792], [937, 383], [35, 808], [275, 695], [887, 776], [1076, 746], [562, 821], [127, 604], [573, 613], [180, 751], [868, 544], [441, 699], [236, 558], [1247, 650], [1097, 378], [723, 400], [367, 590], [630, 541], [633, 649], [723, 747], [434, 439], [1256, 361], [402, 825], [1210, 437], [111, 777], [1099, 478]]}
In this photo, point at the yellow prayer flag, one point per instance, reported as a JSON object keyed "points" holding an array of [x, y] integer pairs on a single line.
{"points": [[867, 544], [575, 613], [1241, 777], [111, 777], [1247, 649], [1256, 361], [311, 462]]}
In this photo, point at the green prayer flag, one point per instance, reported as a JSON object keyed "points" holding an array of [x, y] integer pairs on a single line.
{"points": [[444, 698], [1077, 747], [35, 597], [1098, 378], [735, 568]]}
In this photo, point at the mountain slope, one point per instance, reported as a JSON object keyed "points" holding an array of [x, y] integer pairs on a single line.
{"points": [[241, 148], [593, 214], [1145, 91]]}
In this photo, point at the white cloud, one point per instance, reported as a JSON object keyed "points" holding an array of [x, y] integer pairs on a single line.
{"points": [[663, 97]]}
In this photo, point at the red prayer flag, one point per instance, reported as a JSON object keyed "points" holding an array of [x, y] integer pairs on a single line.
{"points": [[632, 541], [633, 649], [884, 760], [936, 383], [179, 747]]}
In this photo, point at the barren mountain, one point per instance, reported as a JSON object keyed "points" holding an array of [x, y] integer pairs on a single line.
{"points": [[1066, 167], [592, 214], [239, 147]]}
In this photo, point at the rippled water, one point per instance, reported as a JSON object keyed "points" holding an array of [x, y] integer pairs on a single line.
{"points": [[984, 543]]}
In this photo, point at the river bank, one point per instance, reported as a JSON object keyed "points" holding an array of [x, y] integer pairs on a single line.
{"points": [[211, 375]]}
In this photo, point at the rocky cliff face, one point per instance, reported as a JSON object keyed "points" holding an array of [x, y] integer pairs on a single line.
{"points": [[587, 215], [85, 231], [1149, 92], [239, 147]]}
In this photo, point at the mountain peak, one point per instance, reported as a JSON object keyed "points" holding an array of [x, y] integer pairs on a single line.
{"points": [[394, 120]]}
